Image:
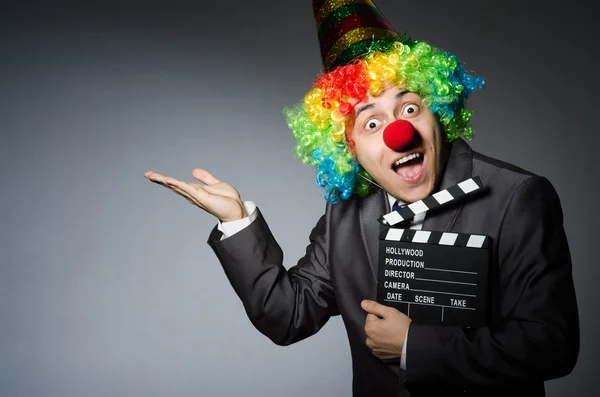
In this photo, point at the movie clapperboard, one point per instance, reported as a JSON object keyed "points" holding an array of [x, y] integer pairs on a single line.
{"points": [[434, 277]]}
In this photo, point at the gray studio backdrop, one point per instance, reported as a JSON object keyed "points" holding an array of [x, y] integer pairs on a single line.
{"points": [[107, 285]]}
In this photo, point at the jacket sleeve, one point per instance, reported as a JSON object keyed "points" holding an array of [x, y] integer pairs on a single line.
{"points": [[538, 334], [284, 305]]}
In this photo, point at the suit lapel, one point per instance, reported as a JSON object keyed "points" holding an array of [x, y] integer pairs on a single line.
{"points": [[371, 208], [458, 168]]}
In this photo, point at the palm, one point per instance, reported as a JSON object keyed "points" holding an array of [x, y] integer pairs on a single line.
{"points": [[214, 196]]}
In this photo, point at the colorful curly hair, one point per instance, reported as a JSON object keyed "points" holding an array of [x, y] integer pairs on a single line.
{"points": [[322, 124]]}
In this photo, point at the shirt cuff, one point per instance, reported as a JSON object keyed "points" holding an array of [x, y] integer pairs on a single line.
{"points": [[230, 228], [403, 356]]}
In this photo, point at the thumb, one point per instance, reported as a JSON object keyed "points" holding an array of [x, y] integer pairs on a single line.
{"points": [[204, 176], [374, 308]]}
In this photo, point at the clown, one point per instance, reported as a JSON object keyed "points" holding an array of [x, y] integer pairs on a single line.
{"points": [[384, 123], [333, 131]]}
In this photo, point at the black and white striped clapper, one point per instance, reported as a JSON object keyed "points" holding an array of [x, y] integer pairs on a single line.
{"points": [[436, 200], [435, 277], [437, 238]]}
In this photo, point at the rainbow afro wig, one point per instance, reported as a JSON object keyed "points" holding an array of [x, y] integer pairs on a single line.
{"points": [[322, 123]]}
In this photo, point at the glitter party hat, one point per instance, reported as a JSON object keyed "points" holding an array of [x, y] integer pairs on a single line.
{"points": [[347, 29]]}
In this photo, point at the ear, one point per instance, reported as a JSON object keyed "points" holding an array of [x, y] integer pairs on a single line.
{"points": [[349, 140]]}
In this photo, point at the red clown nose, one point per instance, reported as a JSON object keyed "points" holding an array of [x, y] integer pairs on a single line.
{"points": [[398, 134]]}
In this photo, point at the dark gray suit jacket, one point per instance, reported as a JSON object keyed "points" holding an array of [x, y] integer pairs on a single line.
{"points": [[533, 332]]}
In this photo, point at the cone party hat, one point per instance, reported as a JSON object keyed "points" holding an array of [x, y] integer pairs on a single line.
{"points": [[347, 29]]}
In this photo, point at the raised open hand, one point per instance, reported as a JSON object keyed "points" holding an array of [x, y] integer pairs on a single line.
{"points": [[215, 197]]}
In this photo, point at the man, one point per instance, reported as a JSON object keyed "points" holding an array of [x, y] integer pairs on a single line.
{"points": [[383, 124]]}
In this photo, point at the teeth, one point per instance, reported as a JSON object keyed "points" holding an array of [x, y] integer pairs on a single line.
{"points": [[408, 158]]}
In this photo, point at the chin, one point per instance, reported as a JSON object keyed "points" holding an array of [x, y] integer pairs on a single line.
{"points": [[414, 194]]}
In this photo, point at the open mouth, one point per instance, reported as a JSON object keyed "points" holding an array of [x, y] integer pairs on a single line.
{"points": [[409, 167]]}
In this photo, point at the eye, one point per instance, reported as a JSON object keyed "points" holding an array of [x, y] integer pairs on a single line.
{"points": [[372, 124], [410, 110]]}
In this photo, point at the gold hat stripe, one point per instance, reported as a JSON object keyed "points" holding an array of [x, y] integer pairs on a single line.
{"points": [[332, 5], [352, 37]]}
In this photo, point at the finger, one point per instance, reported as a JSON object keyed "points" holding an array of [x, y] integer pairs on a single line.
{"points": [[175, 186], [204, 176], [172, 184], [195, 192], [156, 177], [371, 318], [371, 324], [380, 354], [201, 196], [374, 308], [183, 193]]}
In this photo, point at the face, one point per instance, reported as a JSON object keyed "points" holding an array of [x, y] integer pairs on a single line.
{"points": [[409, 174]]}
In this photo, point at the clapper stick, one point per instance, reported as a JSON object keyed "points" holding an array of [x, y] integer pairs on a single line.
{"points": [[436, 238], [433, 201]]}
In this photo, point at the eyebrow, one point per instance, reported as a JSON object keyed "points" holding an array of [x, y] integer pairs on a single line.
{"points": [[372, 105]]}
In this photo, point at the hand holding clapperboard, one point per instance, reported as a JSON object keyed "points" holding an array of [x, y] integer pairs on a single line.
{"points": [[434, 277]]}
